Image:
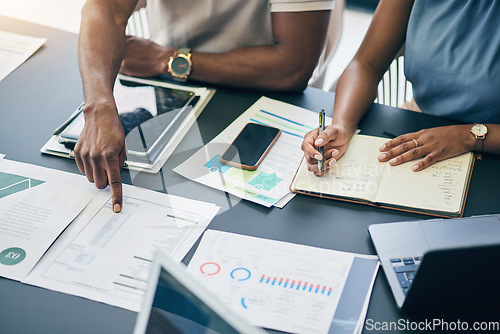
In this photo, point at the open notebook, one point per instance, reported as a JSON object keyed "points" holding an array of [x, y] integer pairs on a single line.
{"points": [[438, 190]]}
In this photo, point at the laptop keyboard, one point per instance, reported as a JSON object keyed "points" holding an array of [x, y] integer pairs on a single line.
{"points": [[406, 268]]}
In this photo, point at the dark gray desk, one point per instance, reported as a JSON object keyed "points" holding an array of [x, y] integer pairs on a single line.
{"points": [[41, 94]]}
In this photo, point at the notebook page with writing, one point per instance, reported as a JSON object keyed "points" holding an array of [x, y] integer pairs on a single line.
{"points": [[356, 175], [439, 187]]}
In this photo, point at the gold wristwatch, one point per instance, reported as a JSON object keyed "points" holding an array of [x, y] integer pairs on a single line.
{"points": [[479, 131], [180, 64]]}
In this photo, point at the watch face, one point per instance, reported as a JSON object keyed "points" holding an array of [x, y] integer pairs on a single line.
{"points": [[180, 66], [479, 129]]}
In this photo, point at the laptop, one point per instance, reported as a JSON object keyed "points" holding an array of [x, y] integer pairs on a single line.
{"points": [[442, 264], [175, 303]]}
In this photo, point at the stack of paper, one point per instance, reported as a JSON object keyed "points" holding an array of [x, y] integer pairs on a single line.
{"points": [[36, 205], [106, 256], [100, 255]]}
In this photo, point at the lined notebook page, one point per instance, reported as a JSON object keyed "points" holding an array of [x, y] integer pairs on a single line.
{"points": [[439, 187], [359, 175]]}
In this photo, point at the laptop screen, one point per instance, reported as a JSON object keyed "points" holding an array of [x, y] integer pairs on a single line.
{"points": [[176, 309]]}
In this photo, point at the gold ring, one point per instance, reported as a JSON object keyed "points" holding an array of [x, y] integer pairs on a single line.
{"points": [[416, 142]]}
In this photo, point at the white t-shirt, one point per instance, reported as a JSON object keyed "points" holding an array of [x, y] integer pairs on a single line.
{"points": [[220, 25]]}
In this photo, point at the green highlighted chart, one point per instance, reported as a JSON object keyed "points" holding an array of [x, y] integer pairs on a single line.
{"points": [[12, 183], [250, 183], [257, 179], [269, 184]]}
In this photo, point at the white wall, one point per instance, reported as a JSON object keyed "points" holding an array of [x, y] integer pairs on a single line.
{"points": [[60, 14], [354, 28]]}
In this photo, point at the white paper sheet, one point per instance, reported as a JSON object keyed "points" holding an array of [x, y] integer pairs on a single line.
{"points": [[106, 256], [269, 183], [273, 284], [36, 205], [15, 49]]}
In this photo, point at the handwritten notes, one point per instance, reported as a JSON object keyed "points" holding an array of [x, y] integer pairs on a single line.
{"points": [[440, 187], [358, 175]]}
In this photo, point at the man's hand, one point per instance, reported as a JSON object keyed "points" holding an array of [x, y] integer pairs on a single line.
{"points": [[144, 58], [334, 139], [100, 151], [433, 144]]}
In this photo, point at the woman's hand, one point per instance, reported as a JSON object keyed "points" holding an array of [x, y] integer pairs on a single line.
{"points": [[334, 140], [433, 145]]}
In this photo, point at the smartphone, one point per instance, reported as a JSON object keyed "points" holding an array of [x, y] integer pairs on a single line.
{"points": [[251, 146]]}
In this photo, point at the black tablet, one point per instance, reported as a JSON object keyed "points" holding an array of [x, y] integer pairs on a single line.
{"points": [[150, 115]]}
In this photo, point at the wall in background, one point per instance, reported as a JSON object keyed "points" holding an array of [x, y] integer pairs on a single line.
{"points": [[363, 5]]}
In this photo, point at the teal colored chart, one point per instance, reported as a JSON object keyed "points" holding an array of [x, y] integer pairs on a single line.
{"points": [[215, 165], [12, 256], [12, 183], [241, 174], [265, 181]]}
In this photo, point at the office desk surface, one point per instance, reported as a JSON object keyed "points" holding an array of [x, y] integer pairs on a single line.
{"points": [[42, 93]]}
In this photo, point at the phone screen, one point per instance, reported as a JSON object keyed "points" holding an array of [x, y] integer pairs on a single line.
{"points": [[251, 146]]}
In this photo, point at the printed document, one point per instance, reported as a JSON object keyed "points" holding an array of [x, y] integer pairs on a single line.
{"points": [[106, 257], [284, 286], [269, 183], [15, 49], [36, 205]]}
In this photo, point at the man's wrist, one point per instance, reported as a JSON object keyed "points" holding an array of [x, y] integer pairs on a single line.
{"points": [[180, 65], [164, 58], [93, 107]]}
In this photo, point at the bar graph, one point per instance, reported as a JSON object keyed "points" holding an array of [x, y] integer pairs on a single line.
{"points": [[276, 284], [297, 285]]}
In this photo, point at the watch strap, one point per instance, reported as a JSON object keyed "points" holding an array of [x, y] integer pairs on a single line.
{"points": [[185, 51], [479, 144]]}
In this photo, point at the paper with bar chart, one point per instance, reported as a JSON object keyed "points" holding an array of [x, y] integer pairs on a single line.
{"points": [[106, 256], [15, 49], [270, 182], [33, 213], [273, 284]]}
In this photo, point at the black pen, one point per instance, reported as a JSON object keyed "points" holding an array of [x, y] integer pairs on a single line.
{"points": [[321, 128], [68, 121]]}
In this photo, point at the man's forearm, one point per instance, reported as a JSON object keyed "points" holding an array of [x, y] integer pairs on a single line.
{"points": [[100, 49], [259, 67], [286, 65]]}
